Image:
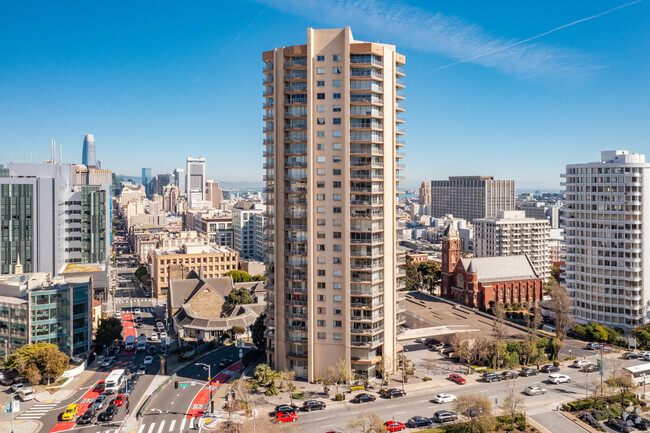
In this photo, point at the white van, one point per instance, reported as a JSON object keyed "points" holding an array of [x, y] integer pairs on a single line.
{"points": [[26, 394]]}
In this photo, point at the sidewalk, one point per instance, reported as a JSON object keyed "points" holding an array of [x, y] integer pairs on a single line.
{"points": [[20, 426], [70, 387]]}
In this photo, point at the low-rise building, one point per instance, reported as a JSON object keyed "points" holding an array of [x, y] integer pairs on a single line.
{"points": [[166, 264], [36, 308]]}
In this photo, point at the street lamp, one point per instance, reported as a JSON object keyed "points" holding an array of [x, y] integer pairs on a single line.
{"points": [[209, 381], [643, 375]]}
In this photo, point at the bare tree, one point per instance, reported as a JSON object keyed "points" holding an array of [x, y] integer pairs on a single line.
{"points": [[477, 409], [367, 423], [498, 332], [462, 347], [429, 364], [513, 403], [386, 368], [563, 310], [339, 374]]}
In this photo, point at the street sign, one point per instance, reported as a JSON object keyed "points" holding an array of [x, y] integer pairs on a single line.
{"points": [[7, 407], [15, 406], [183, 385]]}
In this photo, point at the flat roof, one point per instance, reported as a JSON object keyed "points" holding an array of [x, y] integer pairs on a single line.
{"points": [[72, 268]]}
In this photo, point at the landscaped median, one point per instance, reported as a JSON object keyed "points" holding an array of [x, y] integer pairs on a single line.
{"points": [[611, 409]]}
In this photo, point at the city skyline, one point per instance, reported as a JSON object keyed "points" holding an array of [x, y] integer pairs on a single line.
{"points": [[554, 94]]}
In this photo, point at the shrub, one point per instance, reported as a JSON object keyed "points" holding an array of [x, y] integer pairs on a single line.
{"points": [[271, 391], [426, 379], [521, 425], [338, 397], [298, 395]]}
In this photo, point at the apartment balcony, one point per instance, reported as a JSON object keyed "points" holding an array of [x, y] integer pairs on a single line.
{"points": [[268, 116], [369, 344], [365, 319], [295, 62], [268, 104], [359, 149], [366, 73], [375, 252], [269, 128], [366, 59], [366, 331], [268, 153], [400, 155], [295, 277], [295, 227], [379, 189], [366, 291], [269, 225], [295, 354], [292, 201], [365, 112], [296, 74], [366, 86], [370, 98], [268, 92], [295, 265], [267, 165], [359, 162], [368, 241], [295, 315], [374, 202], [298, 302], [399, 83], [366, 214], [268, 177], [293, 164], [295, 87], [295, 101], [295, 190], [267, 67], [295, 252], [295, 150], [365, 175], [297, 124], [296, 214], [268, 141], [296, 340], [399, 72], [299, 290], [399, 107]]}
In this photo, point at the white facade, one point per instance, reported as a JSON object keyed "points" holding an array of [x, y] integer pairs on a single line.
{"points": [[247, 230], [510, 234], [605, 236]]}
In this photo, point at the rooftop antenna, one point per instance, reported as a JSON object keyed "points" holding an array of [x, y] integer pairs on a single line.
{"points": [[53, 146], [60, 154]]}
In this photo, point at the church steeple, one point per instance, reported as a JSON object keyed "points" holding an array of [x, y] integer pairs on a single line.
{"points": [[18, 268]]}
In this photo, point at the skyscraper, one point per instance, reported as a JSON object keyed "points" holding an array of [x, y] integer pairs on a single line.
{"points": [[195, 183], [179, 180], [605, 231], [471, 197], [88, 157], [146, 180], [333, 140], [213, 193]]}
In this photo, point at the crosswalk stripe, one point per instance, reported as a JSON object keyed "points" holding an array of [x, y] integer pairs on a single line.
{"points": [[141, 428], [171, 426], [162, 424], [191, 423], [151, 428], [182, 424]]}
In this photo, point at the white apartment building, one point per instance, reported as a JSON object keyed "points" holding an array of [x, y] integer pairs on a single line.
{"points": [[471, 197], [605, 237], [247, 230], [511, 234], [195, 182], [334, 139]]}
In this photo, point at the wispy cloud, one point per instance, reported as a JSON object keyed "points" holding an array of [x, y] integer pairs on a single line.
{"points": [[449, 36]]}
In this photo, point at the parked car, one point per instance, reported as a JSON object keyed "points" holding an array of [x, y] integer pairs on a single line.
{"points": [[362, 398], [154, 336], [508, 375], [619, 424], [444, 398], [438, 346], [418, 421], [534, 390], [107, 415], [107, 361], [594, 346], [443, 416], [136, 310], [430, 341], [549, 368], [310, 405], [99, 402], [19, 386], [285, 408], [578, 363], [286, 417], [26, 394], [590, 368], [526, 372], [491, 377], [455, 377], [87, 416], [392, 426], [148, 360], [638, 421], [558, 378], [630, 355], [69, 413], [151, 350], [394, 392], [142, 370]]}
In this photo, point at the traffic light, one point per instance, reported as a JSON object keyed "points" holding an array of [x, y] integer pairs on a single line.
{"points": [[176, 384]]}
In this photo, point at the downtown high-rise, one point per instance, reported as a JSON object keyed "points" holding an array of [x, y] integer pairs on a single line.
{"points": [[195, 183], [605, 230], [333, 148], [88, 156]]}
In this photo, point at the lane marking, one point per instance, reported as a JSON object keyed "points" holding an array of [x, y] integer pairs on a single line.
{"points": [[182, 424], [171, 426], [397, 413], [191, 423], [141, 428], [162, 425], [151, 428]]}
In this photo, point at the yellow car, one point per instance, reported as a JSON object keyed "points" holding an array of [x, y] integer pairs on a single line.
{"points": [[70, 412]]}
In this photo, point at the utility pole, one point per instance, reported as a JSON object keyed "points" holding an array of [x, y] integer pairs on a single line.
{"points": [[602, 368]]}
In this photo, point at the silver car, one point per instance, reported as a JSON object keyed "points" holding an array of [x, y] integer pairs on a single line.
{"points": [[534, 390]]}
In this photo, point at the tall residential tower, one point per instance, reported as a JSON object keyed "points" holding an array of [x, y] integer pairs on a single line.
{"points": [[333, 137], [195, 184], [605, 230]]}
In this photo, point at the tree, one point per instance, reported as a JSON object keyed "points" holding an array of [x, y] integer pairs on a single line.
{"points": [[240, 296], [563, 310], [386, 368], [237, 331], [339, 374], [37, 362], [263, 374], [478, 411], [260, 424], [140, 273], [623, 382], [367, 423], [107, 332], [258, 278], [239, 276], [498, 332], [429, 364], [513, 403], [461, 345], [257, 332], [413, 278], [430, 272]]}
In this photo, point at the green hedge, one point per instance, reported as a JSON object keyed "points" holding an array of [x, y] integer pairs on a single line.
{"points": [[298, 395], [601, 403]]}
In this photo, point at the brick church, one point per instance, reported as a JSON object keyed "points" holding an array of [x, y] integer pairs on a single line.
{"points": [[477, 281]]}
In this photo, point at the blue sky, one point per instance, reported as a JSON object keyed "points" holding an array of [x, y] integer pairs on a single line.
{"points": [[158, 81]]}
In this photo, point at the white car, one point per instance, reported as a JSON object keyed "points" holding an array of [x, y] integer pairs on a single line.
{"points": [[534, 390], [17, 387], [107, 361], [154, 336], [444, 398], [148, 360], [117, 314], [558, 378], [160, 326], [137, 310], [644, 354], [578, 363]]}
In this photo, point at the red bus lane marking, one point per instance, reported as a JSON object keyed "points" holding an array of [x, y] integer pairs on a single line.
{"points": [[197, 407], [85, 401]]}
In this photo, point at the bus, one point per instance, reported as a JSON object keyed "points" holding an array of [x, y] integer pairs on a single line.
{"points": [[638, 373], [114, 381]]}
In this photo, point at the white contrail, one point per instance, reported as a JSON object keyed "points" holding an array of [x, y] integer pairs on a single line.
{"points": [[535, 37]]}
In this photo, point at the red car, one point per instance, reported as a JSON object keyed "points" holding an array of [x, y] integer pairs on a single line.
{"points": [[120, 399], [457, 378], [287, 417], [394, 426]]}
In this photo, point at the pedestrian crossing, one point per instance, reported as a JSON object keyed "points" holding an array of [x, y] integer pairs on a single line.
{"points": [[166, 426], [37, 411]]}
